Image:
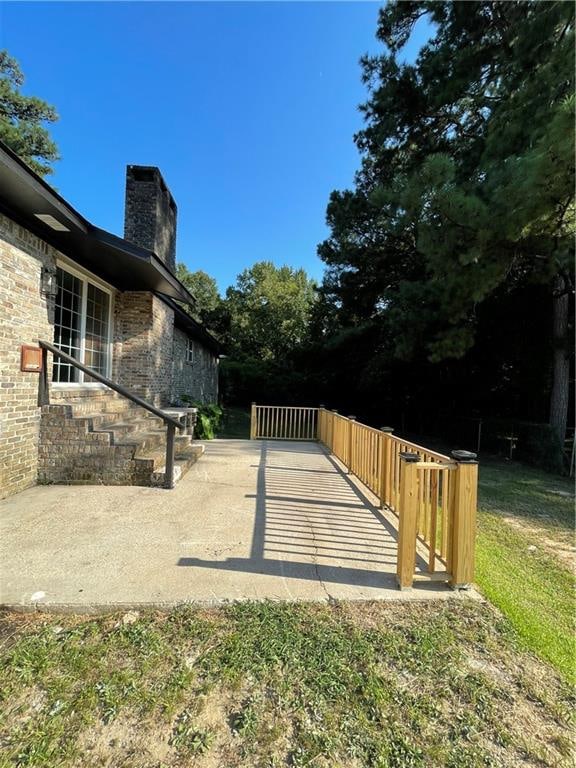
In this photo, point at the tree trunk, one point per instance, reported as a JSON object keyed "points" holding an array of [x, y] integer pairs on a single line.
{"points": [[561, 361]]}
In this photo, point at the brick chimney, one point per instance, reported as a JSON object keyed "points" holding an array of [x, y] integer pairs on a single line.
{"points": [[150, 213]]}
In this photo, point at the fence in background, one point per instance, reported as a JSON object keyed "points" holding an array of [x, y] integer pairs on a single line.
{"points": [[434, 496], [279, 422]]}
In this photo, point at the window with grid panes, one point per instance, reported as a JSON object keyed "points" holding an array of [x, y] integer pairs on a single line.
{"points": [[81, 327]]}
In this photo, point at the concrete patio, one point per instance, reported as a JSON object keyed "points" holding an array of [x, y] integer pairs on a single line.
{"points": [[251, 520]]}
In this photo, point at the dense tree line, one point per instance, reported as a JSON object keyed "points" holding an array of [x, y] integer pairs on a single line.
{"points": [[450, 265], [465, 197]]}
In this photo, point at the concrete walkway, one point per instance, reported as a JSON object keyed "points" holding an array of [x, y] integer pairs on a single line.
{"points": [[251, 520]]}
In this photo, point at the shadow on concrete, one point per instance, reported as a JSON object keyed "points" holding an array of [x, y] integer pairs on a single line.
{"points": [[312, 514]]}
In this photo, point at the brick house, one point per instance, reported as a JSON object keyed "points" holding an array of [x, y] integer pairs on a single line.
{"points": [[113, 304]]}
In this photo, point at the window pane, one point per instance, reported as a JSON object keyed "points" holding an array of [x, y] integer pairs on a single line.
{"points": [[96, 341], [68, 327], [67, 324]]}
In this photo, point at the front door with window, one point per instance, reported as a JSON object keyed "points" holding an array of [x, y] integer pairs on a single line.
{"points": [[82, 327]]}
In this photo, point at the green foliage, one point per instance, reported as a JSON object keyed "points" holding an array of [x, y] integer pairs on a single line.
{"points": [[262, 381], [209, 418], [22, 118], [204, 289], [269, 311], [187, 738], [235, 424], [466, 190]]}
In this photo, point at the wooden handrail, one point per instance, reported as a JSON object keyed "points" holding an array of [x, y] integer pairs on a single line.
{"points": [[433, 495], [278, 422], [171, 423]]}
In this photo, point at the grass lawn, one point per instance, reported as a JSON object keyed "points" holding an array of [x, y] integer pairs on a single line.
{"points": [[525, 551], [235, 424], [383, 685]]}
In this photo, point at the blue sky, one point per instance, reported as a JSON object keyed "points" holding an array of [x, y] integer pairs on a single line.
{"points": [[248, 109]]}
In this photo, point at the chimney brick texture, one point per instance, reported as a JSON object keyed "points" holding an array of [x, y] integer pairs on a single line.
{"points": [[150, 213]]}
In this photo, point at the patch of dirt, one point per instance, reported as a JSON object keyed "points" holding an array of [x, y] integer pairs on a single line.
{"points": [[376, 615], [130, 742], [522, 693], [489, 669], [20, 710], [561, 550], [13, 625], [215, 709], [125, 741], [564, 494]]}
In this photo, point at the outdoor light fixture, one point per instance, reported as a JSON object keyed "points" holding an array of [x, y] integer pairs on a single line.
{"points": [[48, 282], [52, 222]]}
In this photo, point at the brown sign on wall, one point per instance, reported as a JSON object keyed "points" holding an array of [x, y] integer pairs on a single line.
{"points": [[30, 359]]}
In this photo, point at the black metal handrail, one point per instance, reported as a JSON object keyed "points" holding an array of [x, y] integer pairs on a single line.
{"points": [[171, 424]]}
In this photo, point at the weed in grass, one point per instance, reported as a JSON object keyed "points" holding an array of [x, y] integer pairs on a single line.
{"points": [[187, 737], [244, 723]]}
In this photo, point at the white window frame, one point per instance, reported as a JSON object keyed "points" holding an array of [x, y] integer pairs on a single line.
{"points": [[190, 351], [87, 277]]}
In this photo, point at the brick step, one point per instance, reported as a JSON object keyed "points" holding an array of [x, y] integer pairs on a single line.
{"points": [[181, 443], [142, 441], [148, 440], [152, 465], [70, 412], [103, 422], [121, 405], [123, 447], [125, 427]]}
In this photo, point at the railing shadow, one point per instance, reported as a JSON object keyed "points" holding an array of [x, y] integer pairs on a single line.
{"points": [[313, 522]]}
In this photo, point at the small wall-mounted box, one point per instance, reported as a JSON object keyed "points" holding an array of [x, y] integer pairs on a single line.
{"points": [[30, 359]]}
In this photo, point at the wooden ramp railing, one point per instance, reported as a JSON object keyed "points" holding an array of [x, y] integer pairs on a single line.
{"points": [[277, 422], [434, 496]]}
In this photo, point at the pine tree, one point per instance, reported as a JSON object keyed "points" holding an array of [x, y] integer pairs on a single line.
{"points": [[467, 178], [22, 118]]}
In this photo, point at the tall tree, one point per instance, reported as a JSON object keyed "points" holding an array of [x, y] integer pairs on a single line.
{"points": [[269, 310], [22, 118], [467, 179], [203, 288]]}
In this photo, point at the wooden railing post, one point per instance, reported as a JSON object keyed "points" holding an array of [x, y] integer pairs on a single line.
{"points": [[320, 424], [465, 479], [253, 422], [351, 420], [408, 519], [334, 428], [385, 460]]}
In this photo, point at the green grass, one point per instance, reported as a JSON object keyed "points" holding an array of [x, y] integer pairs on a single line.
{"points": [[395, 685], [235, 424], [530, 495], [524, 515]]}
